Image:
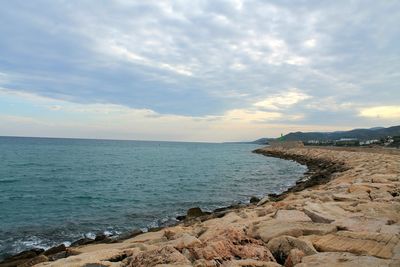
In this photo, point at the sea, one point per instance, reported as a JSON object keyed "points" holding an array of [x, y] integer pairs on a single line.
{"points": [[55, 191]]}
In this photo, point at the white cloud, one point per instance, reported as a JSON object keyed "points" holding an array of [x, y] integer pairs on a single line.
{"points": [[125, 54], [283, 100], [330, 104], [310, 43], [381, 112], [117, 121]]}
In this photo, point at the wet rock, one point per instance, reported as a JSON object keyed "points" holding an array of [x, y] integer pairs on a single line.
{"points": [[28, 254], [21, 258], [34, 261], [82, 241], [131, 234], [55, 250], [193, 213], [57, 256], [254, 199], [281, 246]]}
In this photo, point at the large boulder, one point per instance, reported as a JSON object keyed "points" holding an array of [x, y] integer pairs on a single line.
{"points": [[230, 244], [281, 246], [292, 216], [274, 228], [164, 255], [359, 243]]}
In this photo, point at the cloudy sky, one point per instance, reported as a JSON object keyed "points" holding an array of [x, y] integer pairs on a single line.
{"points": [[197, 70]]}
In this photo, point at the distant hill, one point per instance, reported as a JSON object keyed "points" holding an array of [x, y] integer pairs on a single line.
{"points": [[361, 134], [261, 141]]}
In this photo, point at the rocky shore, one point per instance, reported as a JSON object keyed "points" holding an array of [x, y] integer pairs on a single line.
{"points": [[344, 212]]}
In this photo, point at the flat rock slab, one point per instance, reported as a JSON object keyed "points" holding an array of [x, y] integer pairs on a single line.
{"points": [[325, 212], [292, 216], [274, 228], [343, 259], [360, 243], [361, 224]]}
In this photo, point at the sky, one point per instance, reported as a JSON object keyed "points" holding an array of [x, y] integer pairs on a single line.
{"points": [[197, 70]]}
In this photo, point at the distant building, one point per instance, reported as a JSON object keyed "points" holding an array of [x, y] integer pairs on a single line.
{"points": [[347, 142], [369, 142]]}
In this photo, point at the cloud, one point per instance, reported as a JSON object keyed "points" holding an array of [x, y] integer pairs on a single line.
{"points": [[135, 58], [381, 112], [227, 61], [282, 100]]}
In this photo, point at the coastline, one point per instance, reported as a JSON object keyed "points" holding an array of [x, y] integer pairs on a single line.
{"points": [[290, 213]]}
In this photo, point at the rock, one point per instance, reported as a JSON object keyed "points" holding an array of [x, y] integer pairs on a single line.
{"points": [[291, 216], [131, 234], [34, 261], [164, 255], [295, 256], [82, 241], [186, 241], [360, 243], [28, 254], [274, 228], [231, 244], [326, 212], [181, 217], [100, 237], [59, 255], [250, 263], [263, 201], [254, 199], [360, 224], [393, 229], [55, 250], [380, 180], [195, 212], [281, 246], [335, 259]]}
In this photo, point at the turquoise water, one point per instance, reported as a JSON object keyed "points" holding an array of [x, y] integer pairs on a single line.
{"points": [[59, 190]]}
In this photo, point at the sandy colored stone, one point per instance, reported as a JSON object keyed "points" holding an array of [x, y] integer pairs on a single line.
{"points": [[295, 256], [274, 228], [343, 259], [281, 246], [250, 263], [360, 243], [164, 255], [393, 229], [360, 224], [326, 212], [231, 244], [185, 241], [291, 216]]}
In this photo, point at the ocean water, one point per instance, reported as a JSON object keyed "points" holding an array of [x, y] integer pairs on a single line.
{"points": [[59, 190]]}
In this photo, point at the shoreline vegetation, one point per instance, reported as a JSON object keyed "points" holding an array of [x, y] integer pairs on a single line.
{"points": [[345, 211]]}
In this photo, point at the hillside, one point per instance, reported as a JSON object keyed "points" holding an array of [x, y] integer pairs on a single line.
{"points": [[361, 134]]}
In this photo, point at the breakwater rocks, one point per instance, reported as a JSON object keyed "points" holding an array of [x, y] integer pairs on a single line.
{"points": [[345, 212]]}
